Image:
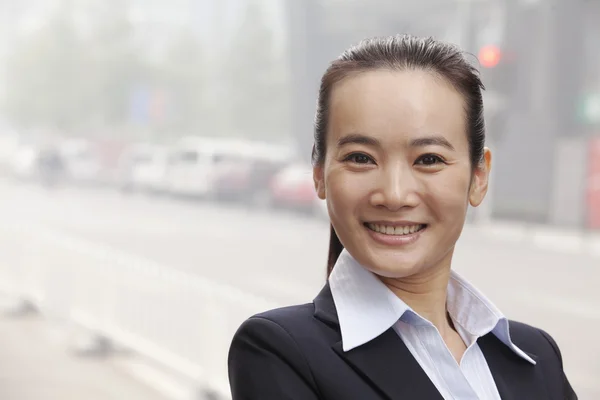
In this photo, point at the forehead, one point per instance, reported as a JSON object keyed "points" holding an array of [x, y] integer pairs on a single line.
{"points": [[396, 104]]}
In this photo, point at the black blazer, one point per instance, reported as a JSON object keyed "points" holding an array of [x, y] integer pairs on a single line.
{"points": [[295, 353]]}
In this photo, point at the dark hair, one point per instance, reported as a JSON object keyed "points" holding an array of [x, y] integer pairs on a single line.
{"points": [[402, 52]]}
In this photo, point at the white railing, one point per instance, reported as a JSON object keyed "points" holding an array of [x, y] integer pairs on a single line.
{"points": [[181, 320]]}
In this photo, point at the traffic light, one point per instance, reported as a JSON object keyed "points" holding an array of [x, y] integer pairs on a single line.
{"points": [[489, 56], [498, 68], [499, 75]]}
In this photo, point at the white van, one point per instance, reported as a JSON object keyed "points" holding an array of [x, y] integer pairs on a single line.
{"points": [[194, 161], [144, 167], [82, 161]]}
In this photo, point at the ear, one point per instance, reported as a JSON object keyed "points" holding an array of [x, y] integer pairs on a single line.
{"points": [[481, 175], [319, 179]]}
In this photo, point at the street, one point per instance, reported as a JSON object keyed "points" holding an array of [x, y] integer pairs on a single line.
{"points": [[36, 365], [281, 257]]}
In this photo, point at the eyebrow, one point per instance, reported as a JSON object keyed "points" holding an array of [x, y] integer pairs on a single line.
{"points": [[358, 138], [431, 141]]}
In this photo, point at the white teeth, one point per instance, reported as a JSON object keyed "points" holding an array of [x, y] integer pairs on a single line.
{"points": [[398, 230]]}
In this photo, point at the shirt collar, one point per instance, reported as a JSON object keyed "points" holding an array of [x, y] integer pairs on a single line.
{"points": [[366, 308]]}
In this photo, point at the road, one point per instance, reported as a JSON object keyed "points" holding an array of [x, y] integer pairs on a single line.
{"points": [[282, 256], [36, 365]]}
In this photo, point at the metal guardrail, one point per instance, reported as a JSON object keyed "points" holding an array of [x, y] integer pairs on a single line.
{"points": [[181, 320]]}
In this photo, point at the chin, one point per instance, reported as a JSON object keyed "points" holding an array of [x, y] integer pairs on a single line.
{"points": [[393, 265], [395, 273]]}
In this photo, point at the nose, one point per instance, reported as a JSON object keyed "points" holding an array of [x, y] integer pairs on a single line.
{"points": [[396, 188]]}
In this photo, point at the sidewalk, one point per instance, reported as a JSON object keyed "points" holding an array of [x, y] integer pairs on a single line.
{"points": [[35, 364], [563, 240]]}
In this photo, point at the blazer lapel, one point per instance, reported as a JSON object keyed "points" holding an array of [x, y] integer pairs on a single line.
{"points": [[515, 377], [385, 361], [389, 365]]}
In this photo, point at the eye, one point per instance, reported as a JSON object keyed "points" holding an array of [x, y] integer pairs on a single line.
{"points": [[430, 159], [359, 158]]}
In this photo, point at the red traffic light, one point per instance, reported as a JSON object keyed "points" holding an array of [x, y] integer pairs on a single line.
{"points": [[489, 56]]}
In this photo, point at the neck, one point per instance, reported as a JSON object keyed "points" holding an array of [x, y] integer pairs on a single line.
{"points": [[426, 295]]}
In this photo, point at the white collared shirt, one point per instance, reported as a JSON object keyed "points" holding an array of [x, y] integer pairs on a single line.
{"points": [[367, 308]]}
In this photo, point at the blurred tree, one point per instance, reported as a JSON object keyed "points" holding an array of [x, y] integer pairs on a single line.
{"points": [[117, 69], [182, 74], [44, 80], [79, 81], [256, 78]]}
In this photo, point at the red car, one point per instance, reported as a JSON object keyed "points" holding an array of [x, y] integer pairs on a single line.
{"points": [[294, 188]]}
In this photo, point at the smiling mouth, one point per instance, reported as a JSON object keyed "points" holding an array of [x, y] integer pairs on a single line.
{"points": [[396, 230]]}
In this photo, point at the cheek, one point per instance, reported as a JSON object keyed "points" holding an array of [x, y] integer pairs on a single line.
{"points": [[448, 197], [344, 192]]}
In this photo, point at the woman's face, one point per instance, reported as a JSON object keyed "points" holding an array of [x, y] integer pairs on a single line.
{"points": [[397, 175]]}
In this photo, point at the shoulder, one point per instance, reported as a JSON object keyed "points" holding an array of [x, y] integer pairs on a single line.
{"points": [[277, 328], [547, 355], [268, 348], [288, 316], [278, 321], [535, 340], [292, 332]]}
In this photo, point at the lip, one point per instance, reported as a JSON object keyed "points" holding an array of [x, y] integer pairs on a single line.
{"points": [[395, 240]]}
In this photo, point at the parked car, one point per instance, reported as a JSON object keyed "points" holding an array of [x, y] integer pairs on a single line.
{"points": [[82, 162], [50, 167], [293, 188], [195, 163], [246, 178], [9, 145], [144, 167], [23, 164]]}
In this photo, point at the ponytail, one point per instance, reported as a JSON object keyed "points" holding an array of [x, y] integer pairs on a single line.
{"points": [[335, 249]]}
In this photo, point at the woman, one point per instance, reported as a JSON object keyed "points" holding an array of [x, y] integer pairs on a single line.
{"points": [[399, 156]]}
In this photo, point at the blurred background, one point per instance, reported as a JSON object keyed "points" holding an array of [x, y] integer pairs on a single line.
{"points": [[155, 185]]}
